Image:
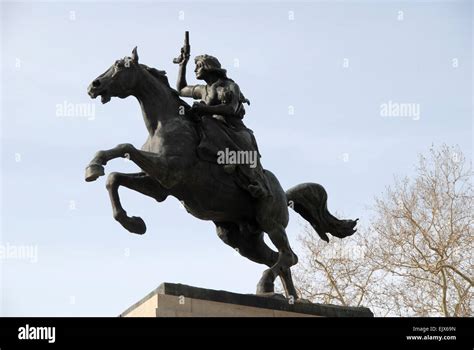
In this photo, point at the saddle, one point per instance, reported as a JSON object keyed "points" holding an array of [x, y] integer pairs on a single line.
{"points": [[229, 143], [218, 136]]}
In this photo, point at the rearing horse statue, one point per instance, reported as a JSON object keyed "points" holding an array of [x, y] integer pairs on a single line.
{"points": [[170, 166]]}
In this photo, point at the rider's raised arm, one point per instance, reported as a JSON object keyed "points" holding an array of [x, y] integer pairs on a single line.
{"points": [[185, 90], [194, 91], [181, 85]]}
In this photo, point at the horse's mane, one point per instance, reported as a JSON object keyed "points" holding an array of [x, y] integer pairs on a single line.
{"points": [[160, 75]]}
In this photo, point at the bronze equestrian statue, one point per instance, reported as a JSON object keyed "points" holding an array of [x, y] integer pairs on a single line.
{"points": [[179, 158]]}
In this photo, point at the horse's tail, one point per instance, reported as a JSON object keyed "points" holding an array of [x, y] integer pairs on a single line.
{"points": [[310, 201]]}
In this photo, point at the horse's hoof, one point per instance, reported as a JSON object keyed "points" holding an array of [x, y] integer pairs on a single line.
{"points": [[266, 285], [93, 171], [265, 288], [137, 225], [134, 224]]}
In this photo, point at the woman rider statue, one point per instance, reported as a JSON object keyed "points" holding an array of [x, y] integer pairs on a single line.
{"points": [[220, 112]]}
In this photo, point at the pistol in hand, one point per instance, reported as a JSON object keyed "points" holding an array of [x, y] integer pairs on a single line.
{"points": [[185, 51]]}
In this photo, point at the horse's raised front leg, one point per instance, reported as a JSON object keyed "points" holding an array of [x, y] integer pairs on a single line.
{"points": [[147, 161], [139, 182]]}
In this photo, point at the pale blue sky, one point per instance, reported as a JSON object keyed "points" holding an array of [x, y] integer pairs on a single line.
{"points": [[83, 267]]}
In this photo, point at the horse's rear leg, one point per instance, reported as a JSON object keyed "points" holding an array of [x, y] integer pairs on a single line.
{"points": [[139, 182], [248, 244], [286, 259], [253, 247], [288, 284]]}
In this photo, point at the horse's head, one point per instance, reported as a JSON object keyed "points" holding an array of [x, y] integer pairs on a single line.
{"points": [[117, 81]]}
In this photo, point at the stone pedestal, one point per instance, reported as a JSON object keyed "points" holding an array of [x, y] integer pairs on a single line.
{"points": [[179, 300]]}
